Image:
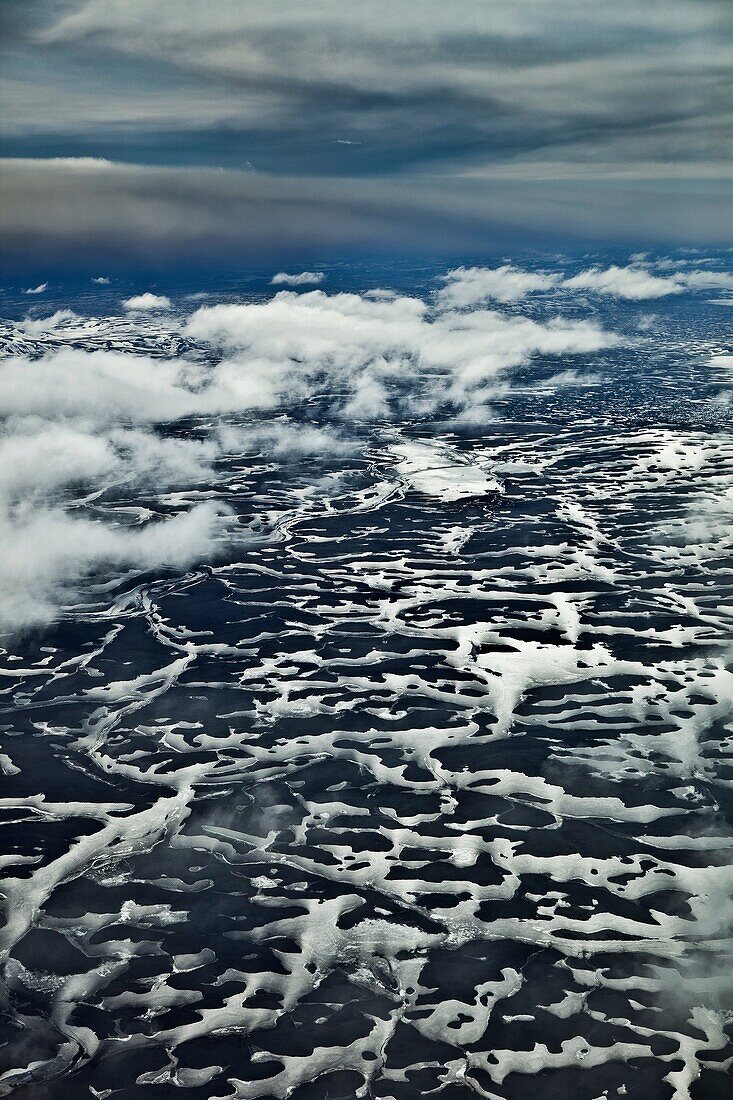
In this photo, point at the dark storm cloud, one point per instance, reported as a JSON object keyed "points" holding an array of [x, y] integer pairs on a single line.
{"points": [[77, 214], [405, 84]]}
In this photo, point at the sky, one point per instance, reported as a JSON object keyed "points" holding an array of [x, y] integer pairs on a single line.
{"points": [[149, 134]]}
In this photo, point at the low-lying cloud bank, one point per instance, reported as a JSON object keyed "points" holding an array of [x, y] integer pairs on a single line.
{"points": [[470, 286], [51, 465], [275, 353], [81, 427], [47, 553], [297, 343]]}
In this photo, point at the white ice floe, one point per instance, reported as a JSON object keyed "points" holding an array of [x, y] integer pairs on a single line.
{"points": [[442, 471]]}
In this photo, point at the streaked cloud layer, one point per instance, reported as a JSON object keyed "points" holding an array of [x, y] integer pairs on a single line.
{"points": [[334, 87]]}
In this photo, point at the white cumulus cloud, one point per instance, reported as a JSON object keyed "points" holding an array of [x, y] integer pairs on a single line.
{"points": [[102, 385], [147, 301], [469, 286], [295, 344], [304, 278], [635, 283], [466, 287], [639, 283]]}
